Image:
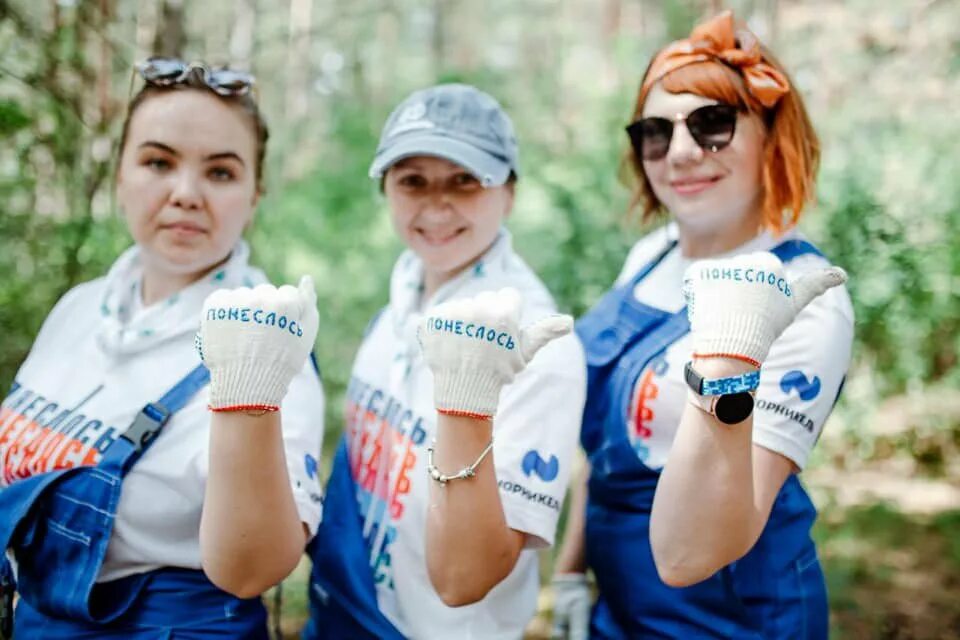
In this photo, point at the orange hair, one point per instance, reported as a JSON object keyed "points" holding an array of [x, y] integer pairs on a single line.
{"points": [[791, 153]]}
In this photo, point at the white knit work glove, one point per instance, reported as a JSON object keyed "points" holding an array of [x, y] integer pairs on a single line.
{"points": [[475, 346], [571, 607], [739, 306], [254, 341]]}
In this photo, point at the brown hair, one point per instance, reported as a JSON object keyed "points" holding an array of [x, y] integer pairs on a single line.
{"points": [[194, 82], [511, 179], [791, 153]]}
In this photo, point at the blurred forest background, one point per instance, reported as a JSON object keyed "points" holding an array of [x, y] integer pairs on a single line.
{"points": [[881, 79]]}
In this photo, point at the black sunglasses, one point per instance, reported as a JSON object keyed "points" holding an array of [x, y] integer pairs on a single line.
{"points": [[167, 72], [712, 128]]}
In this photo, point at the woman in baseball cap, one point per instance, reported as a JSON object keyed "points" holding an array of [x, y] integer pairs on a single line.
{"points": [[434, 509]]}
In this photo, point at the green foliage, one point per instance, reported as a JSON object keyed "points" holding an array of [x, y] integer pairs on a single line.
{"points": [[12, 117], [904, 269], [888, 210], [331, 224], [889, 574], [679, 16]]}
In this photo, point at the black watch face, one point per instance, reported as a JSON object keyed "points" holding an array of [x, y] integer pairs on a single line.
{"points": [[734, 407]]}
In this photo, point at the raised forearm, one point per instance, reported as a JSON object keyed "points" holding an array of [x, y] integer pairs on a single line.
{"points": [[251, 536], [705, 514], [716, 491], [469, 546]]}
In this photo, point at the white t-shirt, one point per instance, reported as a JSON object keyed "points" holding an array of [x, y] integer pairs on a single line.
{"points": [[99, 358], [799, 381], [390, 422]]}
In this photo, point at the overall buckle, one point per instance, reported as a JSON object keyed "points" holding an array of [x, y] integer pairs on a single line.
{"points": [[146, 425]]}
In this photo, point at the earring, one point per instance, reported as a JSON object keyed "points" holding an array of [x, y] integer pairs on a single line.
{"points": [[713, 148]]}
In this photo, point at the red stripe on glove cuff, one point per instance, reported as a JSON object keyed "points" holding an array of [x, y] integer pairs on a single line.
{"points": [[465, 414], [735, 356], [246, 407]]}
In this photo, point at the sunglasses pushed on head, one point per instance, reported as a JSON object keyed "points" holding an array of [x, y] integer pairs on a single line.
{"points": [[168, 72]]}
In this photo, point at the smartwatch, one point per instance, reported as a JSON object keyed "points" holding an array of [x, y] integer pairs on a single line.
{"points": [[729, 399]]}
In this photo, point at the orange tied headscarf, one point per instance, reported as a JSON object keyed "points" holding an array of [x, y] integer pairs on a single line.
{"points": [[717, 39]]}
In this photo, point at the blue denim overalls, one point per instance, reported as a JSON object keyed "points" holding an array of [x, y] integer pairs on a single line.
{"points": [[58, 525], [776, 591], [343, 598]]}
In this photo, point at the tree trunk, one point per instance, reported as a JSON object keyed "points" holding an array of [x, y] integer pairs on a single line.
{"points": [[439, 37], [612, 15], [170, 39], [104, 99], [298, 59], [242, 35], [146, 28]]}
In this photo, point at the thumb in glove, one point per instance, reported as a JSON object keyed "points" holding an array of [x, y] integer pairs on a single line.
{"points": [[534, 337], [254, 341], [812, 284], [739, 306], [474, 347]]}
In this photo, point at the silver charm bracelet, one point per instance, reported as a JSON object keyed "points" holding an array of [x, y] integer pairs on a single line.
{"points": [[466, 472]]}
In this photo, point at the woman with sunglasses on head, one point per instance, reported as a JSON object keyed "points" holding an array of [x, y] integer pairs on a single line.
{"points": [[144, 494], [712, 366], [444, 486]]}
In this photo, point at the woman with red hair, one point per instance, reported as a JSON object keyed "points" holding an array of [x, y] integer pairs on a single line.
{"points": [[713, 364]]}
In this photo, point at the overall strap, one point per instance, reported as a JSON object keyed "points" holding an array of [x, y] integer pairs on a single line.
{"points": [[653, 343], [650, 266], [790, 249], [343, 595], [8, 587], [677, 324], [148, 423], [31, 503], [786, 251], [661, 335]]}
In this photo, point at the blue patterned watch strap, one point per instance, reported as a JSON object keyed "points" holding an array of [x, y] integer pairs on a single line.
{"points": [[720, 386], [735, 384]]}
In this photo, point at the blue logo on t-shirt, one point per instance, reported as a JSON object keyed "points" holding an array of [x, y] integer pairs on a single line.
{"points": [[546, 469], [311, 465], [796, 380]]}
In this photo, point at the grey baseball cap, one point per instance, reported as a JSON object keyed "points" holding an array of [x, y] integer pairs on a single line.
{"points": [[455, 122]]}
